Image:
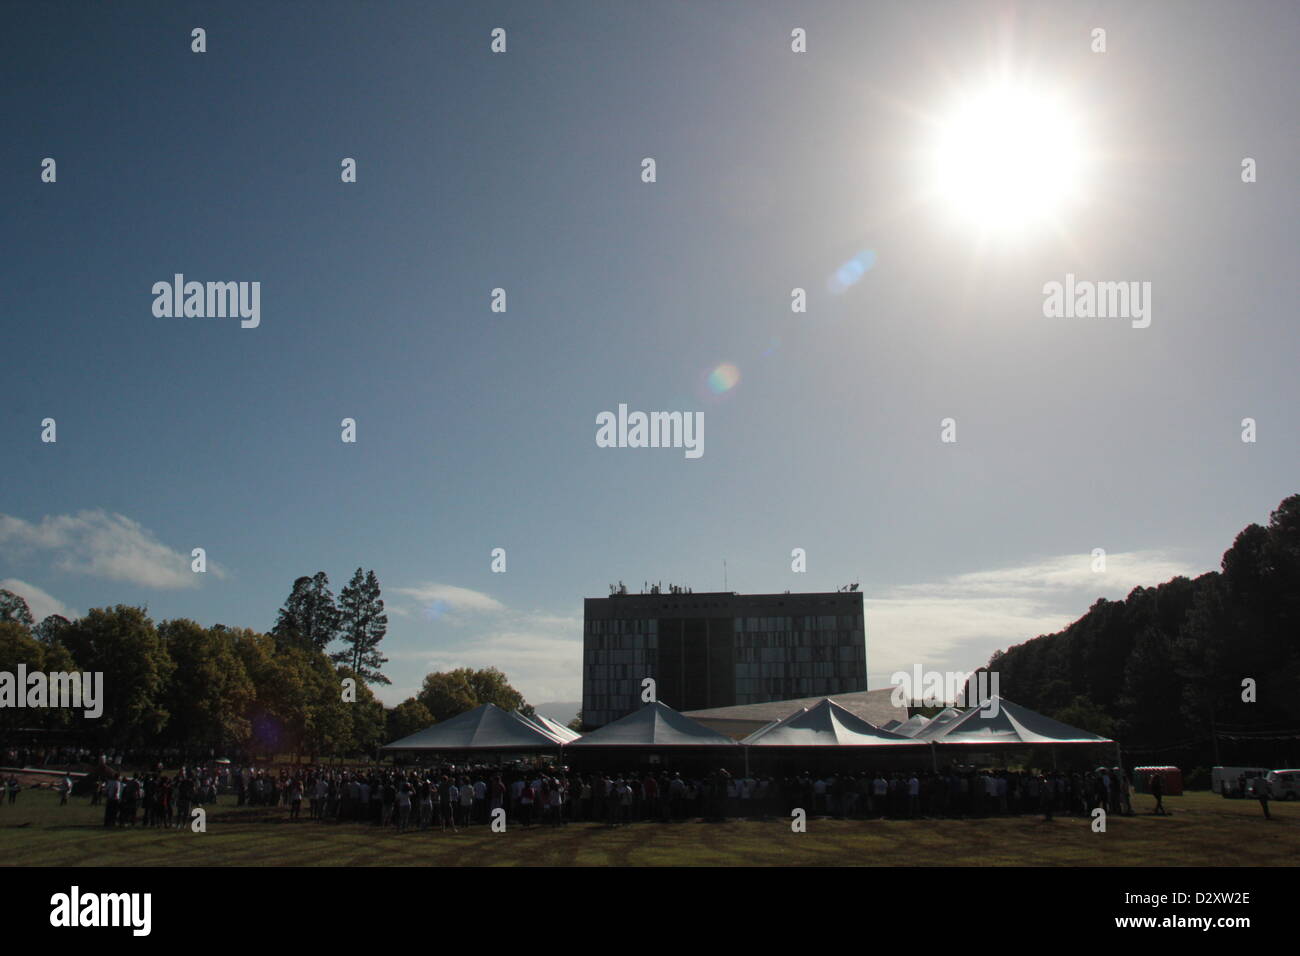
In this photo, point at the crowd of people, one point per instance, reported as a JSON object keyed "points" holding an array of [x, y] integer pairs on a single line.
{"points": [[450, 797], [153, 799]]}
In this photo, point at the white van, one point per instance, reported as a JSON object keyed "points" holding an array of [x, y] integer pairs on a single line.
{"points": [[1283, 784], [1224, 780]]}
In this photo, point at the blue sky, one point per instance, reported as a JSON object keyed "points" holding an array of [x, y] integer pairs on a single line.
{"points": [[522, 171]]}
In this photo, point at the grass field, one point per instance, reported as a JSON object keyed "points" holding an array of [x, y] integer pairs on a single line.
{"points": [[1203, 830]]}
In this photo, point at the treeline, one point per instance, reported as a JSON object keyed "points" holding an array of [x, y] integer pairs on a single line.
{"points": [[180, 687], [1190, 671], [199, 691]]}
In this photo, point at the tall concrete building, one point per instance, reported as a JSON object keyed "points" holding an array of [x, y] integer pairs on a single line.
{"points": [[719, 649]]}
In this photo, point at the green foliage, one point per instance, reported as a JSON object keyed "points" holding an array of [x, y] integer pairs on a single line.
{"points": [[17, 646], [408, 717], [123, 643], [1165, 665], [449, 693], [309, 617], [50, 630], [14, 609], [368, 719], [210, 693], [363, 625]]}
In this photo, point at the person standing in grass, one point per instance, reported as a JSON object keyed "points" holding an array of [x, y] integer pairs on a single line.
{"points": [[1261, 793], [184, 799], [403, 806], [498, 794], [447, 795], [165, 797], [1158, 791], [388, 795], [557, 803], [466, 801], [480, 799], [112, 799], [526, 797], [1125, 791]]}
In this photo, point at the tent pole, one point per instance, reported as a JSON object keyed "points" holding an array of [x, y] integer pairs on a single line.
{"points": [[934, 756], [746, 762]]}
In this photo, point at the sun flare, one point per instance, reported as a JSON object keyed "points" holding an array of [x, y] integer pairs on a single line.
{"points": [[1007, 159]]}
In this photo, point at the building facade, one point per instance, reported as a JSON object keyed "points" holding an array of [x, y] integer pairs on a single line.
{"points": [[719, 649]]}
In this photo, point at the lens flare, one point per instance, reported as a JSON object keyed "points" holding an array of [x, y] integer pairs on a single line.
{"points": [[723, 378], [847, 275]]}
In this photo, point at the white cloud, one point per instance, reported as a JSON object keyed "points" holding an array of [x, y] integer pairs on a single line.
{"points": [[958, 622], [453, 599], [41, 604], [540, 653], [104, 545]]}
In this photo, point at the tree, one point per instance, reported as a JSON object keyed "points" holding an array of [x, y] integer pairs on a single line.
{"points": [[267, 715], [309, 617], [50, 630], [17, 646], [123, 644], [576, 723], [363, 624], [210, 694], [14, 608], [449, 693], [446, 694], [408, 717], [1086, 715], [368, 720], [491, 686]]}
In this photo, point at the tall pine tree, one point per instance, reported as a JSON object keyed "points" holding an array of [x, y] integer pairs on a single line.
{"points": [[363, 624], [309, 617]]}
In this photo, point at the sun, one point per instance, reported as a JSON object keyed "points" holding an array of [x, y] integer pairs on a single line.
{"points": [[1007, 159]]}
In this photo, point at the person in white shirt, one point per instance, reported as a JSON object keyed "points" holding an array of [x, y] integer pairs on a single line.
{"points": [[453, 799], [112, 800], [403, 805], [466, 801], [557, 803]]}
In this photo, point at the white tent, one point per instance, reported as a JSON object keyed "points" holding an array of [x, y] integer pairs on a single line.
{"points": [[912, 726], [826, 724], [654, 725], [484, 728], [552, 727], [1002, 722], [938, 722]]}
